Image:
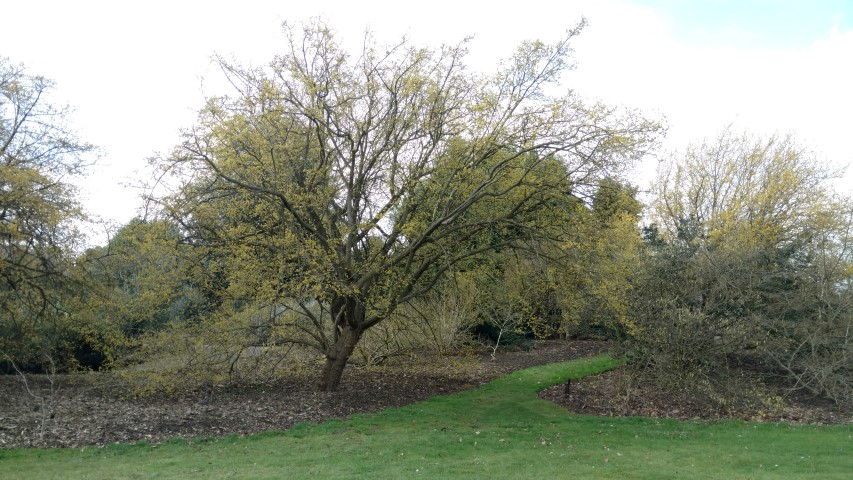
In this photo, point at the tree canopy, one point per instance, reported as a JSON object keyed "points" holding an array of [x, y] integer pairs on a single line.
{"points": [[752, 266], [38, 207]]}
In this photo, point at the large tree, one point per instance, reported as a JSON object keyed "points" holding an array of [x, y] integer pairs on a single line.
{"points": [[343, 186], [38, 207]]}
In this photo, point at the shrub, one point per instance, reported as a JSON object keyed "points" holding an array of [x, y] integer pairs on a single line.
{"points": [[438, 323], [225, 349]]}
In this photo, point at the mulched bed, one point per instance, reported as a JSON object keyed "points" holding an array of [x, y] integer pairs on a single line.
{"points": [[86, 413], [617, 393]]}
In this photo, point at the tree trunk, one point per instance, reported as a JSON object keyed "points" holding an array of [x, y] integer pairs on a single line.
{"points": [[337, 357]]}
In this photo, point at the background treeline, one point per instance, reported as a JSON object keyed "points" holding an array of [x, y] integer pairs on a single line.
{"points": [[344, 210]]}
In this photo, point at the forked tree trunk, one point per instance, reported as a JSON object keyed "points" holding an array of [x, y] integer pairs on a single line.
{"points": [[336, 359]]}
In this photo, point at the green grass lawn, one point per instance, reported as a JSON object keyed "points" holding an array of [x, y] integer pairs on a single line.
{"points": [[501, 430]]}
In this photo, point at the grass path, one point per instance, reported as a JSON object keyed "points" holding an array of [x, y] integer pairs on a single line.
{"points": [[501, 430]]}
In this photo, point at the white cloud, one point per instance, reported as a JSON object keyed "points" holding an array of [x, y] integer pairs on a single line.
{"points": [[700, 90]]}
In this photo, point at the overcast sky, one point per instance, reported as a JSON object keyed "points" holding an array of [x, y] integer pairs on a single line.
{"points": [[137, 71]]}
